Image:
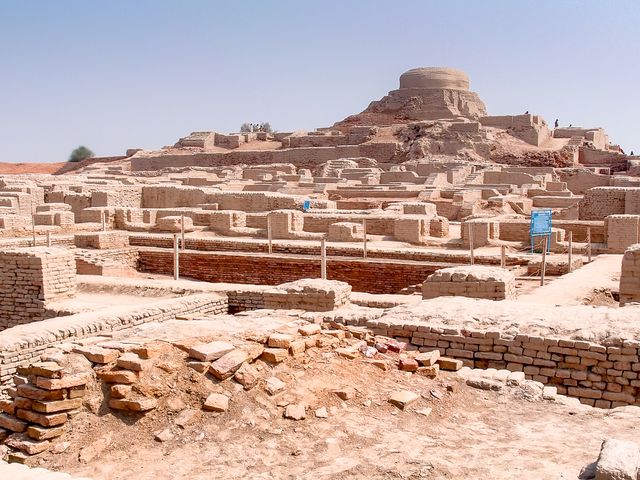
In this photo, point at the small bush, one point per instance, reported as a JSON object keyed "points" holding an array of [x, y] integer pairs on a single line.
{"points": [[80, 153]]}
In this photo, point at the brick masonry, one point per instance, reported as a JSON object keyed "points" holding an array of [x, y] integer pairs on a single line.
{"points": [[371, 275], [602, 375], [630, 276], [29, 279], [23, 344]]}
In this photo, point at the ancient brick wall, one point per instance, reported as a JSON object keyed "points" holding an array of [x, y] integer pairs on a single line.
{"points": [[490, 283], [29, 279], [622, 232], [101, 240], [374, 276], [630, 276], [601, 375], [27, 342], [601, 202], [301, 157]]}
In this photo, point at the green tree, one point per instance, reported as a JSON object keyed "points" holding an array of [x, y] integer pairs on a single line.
{"points": [[80, 153]]}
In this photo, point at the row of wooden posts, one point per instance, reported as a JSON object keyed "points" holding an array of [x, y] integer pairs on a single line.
{"points": [[323, 250]]}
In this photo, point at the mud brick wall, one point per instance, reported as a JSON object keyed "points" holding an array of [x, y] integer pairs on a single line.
{"points": [[604, 376], [98, 262], [630, 276], [622, 232], [320, 222], [600, 202], [241, 300], [29, 279], [24, 344], [309, 157], [312, 295], [472, 281], [118, 197], [373, 276], [554, 266], [101, 240]]}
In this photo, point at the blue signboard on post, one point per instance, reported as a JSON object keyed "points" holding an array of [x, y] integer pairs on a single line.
{"points": [[307, 205], [540, 226]]}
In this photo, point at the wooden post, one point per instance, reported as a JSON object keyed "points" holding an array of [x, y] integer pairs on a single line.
{"points": [[104, 222], [543, 266], [589, 244], [48, 239], [323, 259], [471, 244], [269, 235], [570, 259], [503, 256], [182, 231], [33, 228], [364, 238], [176, 259]]}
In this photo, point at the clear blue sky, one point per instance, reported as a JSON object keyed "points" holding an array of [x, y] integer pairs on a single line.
{"points": [[124, 73]]}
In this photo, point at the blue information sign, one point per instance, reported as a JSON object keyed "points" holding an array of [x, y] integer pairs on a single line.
{"points": [[307, 205], [540, 226]]}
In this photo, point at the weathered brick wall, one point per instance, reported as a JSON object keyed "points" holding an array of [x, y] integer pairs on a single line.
{"points": [[472, 281], [23, 344], [622, 232], [600, 202], [374, 276], [312, 295], [630, 276], [301, 157], [601, 375], [29, 279], [101, 240]]}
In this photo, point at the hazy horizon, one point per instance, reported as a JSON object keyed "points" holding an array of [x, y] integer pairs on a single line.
{"points": [[140, 74]]}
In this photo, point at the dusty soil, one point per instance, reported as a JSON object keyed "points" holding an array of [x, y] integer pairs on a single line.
{"points": [[469, 433], [18, 168]]}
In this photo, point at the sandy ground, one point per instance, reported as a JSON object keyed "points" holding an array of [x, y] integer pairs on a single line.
{"points": [[576, 287], [18, 168]]}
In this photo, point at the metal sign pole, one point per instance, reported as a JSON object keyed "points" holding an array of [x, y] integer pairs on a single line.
{"points": [[503, 256], [48, 239]]}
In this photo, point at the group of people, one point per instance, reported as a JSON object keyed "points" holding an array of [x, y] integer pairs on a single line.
{"points": [[258, 127]]}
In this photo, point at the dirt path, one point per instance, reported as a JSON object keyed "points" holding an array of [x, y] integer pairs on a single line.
{"points": [[573, 288]]}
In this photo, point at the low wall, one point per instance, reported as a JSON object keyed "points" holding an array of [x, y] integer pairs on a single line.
{"points": [[373, 276], [25, 343], [602, 375]]}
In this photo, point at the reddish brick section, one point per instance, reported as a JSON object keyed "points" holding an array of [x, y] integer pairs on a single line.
{"points": [[373, 276]]}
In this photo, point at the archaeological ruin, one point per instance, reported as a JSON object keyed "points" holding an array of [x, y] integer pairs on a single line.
{"points": [[276, 292]]}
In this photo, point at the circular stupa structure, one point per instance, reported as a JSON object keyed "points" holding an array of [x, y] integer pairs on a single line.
{"points": [[425, 93], [438, 78]]}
